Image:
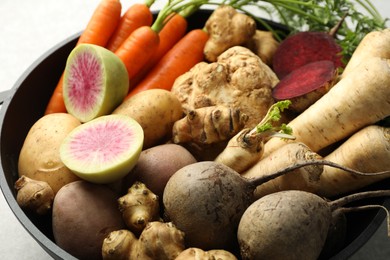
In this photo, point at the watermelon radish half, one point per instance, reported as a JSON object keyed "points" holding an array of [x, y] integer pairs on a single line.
{"points": [[95, 82], [104, 149]]}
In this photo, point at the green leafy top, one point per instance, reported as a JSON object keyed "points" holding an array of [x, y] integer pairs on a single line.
{"points": [[268, 126], [353, 18]]}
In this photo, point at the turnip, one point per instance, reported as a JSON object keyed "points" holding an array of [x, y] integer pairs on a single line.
{"points": [[207, 199], [290, 224]]}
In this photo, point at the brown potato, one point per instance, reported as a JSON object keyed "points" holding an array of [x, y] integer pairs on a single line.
{"points": [[83, 215], [155, 110], [39, 158]]}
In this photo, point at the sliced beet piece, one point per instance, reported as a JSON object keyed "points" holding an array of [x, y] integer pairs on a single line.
{"points": [[305, 47], [307, 84]]}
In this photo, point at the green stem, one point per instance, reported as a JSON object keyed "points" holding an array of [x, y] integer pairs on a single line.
{"points": [[149, 3]]}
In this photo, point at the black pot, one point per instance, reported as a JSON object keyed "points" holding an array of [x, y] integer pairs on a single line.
{"points": [[25, 103]]}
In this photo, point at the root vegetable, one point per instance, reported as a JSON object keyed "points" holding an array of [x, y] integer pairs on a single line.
{"points": [[139, 207], [303, 48], [246, 148], [118, 245], [163, 241], [83, 215], [208, 125], [306, 178], [34, 196], [264, 45], [374, 44], [343, 110], [155, 110], [290, 224], [207, 199], [157, 164], [198, 254], [306, 84], [39, 158], [227, 28], [238, 79], [158, 241], [95, 82], [368, 150]]}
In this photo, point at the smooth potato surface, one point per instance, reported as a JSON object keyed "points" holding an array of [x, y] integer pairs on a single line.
{"points": [[39, 158], [155, 110], [157, 164], [83, 215]]}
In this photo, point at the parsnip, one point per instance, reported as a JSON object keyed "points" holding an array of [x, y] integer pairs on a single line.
{"points": [[374, 44], [358, 100], [367, 151], [305, 178]]}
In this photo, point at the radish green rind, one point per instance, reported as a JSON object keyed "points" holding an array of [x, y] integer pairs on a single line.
{"points": [[104, 149], [95, 82]]}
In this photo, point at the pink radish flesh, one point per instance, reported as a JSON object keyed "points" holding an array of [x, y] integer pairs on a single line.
{"points": [[85, 81]]}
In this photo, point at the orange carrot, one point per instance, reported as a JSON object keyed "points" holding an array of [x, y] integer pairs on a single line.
{"points": [[136, 16], [138, 48], [98, 31], [171, 33], [178, 60]]}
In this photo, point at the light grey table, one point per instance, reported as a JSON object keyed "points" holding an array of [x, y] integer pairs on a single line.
{"points": [[27, 30]]}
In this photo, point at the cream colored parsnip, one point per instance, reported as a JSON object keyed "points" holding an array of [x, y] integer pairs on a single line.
{"points": [[360, 99]]}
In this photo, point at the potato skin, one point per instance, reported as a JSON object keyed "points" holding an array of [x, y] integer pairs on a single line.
{"points": [[83, 215], [155, 110], [39, 158], [157, 164]]}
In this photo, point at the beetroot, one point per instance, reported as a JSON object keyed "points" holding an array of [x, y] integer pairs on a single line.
{"points": [[307, 84], [305, 47]]}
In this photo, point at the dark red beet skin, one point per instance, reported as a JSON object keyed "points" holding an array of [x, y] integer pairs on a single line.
{"points": [[305, 47]]}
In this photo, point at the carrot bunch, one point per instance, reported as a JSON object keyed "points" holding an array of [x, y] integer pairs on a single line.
{"points": [[155, 52]]}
